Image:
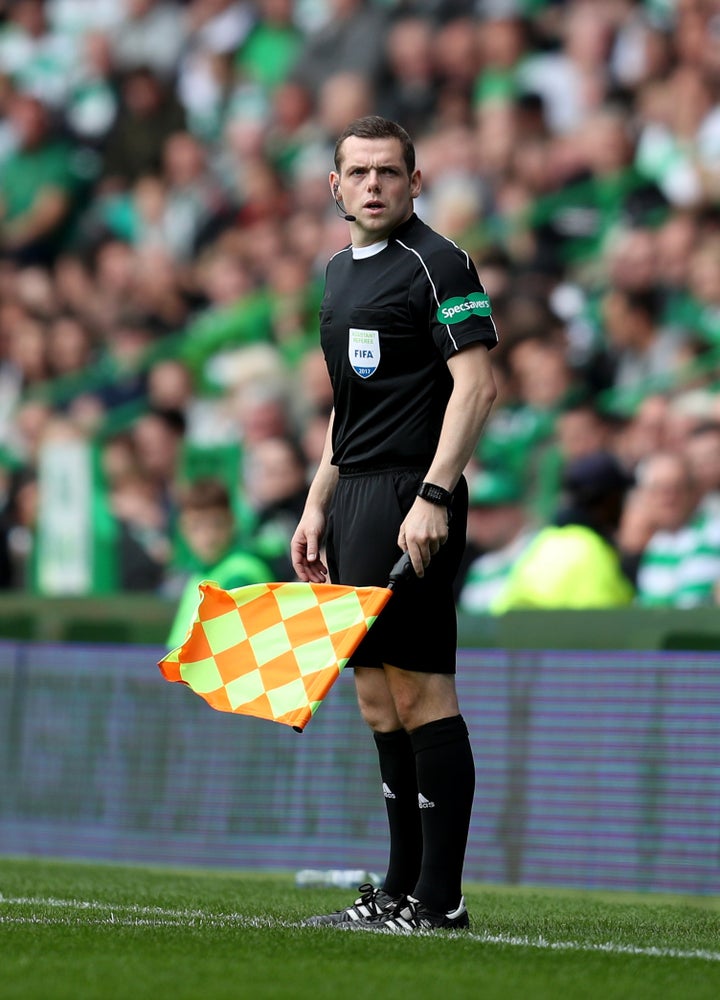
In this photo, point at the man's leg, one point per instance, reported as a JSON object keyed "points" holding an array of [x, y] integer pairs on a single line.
{"points": [[427, 707], [396, 757], [397, 769]]}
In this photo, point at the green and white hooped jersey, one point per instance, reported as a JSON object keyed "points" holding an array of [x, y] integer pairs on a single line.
{"points": [[680, 568]]}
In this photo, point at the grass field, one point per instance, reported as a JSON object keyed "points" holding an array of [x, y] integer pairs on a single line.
{"points": [[86, 931]]}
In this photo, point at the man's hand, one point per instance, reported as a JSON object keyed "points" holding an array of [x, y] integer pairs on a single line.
{"points": [[305, 547], [422, 533]]}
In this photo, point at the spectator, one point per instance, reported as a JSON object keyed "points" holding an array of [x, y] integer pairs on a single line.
{"points": [[208, 528], [644, 355], [574, 563], [37, 59], [272, 45], [291, 128], [680, 562], [275, 486], [499, 531], [158, 439], [701, 308], [151, 34], [262, 411], [678, 143], [675, 242], [543, 376], [149, 113], [70, 346], [27, 352], [580, 429], [113, 283], [647, 431], [143, 543], [194, 197], [349, 42], [503, 46], [456, 56], [702, 450], [159, 293], [573, 80], [93, 101], [37, 187], [170, 386], [74, 285], [119, 374], [407, 91], [19, 523]]}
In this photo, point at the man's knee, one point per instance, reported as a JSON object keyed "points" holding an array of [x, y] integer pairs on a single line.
{"points": [[421, 698], [375, 700]]}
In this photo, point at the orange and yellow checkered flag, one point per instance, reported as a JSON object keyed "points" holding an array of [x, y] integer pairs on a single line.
{"points": [[272, 650]]}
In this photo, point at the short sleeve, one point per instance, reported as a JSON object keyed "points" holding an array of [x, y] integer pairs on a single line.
{"points": [[460, 308]]}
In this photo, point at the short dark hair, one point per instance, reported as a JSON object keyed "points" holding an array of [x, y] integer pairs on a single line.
{"points": [[375, 127], [645, 302], [205, 494]]}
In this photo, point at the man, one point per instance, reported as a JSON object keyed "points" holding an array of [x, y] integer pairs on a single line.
{"points": [[499, 530], [574, 563], [209, 530], [38, 186], [702, 450], [679, 564], [405, 328]]}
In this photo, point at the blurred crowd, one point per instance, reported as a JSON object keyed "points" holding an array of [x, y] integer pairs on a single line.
{"points": [[165, 221]]}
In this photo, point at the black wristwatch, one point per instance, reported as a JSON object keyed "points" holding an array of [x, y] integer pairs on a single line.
{"points": [[435, 494]]}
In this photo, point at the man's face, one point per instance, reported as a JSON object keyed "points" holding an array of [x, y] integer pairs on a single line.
{"points": [[208, 533], [374, 186], [668, 493]]}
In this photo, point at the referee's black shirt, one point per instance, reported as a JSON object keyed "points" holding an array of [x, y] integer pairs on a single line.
{"points": [[391, 317]]}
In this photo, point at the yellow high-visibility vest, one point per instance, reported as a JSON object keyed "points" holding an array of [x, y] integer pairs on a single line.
{"points": [[567, 567]]}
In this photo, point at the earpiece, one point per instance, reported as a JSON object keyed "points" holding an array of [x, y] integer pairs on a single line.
{"points": [[339, 205]]}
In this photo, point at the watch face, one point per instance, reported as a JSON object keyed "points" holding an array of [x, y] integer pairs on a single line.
{"points": [[434, 494]]}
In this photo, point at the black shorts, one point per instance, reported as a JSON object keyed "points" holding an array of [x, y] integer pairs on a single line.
{"points": [[417, 629]]}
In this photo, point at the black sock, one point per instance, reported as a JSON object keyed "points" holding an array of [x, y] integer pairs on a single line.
{"points": [[446, 784], [397, 770]]}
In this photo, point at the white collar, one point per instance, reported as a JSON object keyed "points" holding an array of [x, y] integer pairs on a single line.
{"points": [[360, 253]]}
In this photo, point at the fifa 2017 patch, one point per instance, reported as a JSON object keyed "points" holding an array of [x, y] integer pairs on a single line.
{"points": [[364, 351], [457, 309]]}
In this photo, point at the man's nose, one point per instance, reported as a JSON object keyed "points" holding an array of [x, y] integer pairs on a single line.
{"points": [[373, 180]]}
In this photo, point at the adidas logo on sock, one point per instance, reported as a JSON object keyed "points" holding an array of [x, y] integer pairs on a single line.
{"points": [[387, 792], [424, 803]]}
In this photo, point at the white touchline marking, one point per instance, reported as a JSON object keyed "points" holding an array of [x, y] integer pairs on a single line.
{"points": [[133, 915], [608, 947]]}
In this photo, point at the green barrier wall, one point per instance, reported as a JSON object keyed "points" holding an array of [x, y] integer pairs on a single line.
{"points": [[141, 618]]}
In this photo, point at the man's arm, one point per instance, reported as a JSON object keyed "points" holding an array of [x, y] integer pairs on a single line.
{"points": [[41, 219], [425, 528], [306, 542]]}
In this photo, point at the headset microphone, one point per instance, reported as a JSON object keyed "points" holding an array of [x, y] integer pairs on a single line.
{"points": [[340, 208]]}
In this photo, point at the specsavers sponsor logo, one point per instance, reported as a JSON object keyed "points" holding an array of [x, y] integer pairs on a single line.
{"points": [[457, 309]]}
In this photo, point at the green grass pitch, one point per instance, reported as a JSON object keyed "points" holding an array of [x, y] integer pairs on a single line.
{"points": [[108, 932]]}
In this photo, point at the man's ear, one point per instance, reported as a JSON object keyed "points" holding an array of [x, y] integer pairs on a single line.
{"points": [[415, 184]]}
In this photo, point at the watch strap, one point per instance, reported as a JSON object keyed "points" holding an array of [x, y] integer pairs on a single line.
{"points": [[435, 494]]}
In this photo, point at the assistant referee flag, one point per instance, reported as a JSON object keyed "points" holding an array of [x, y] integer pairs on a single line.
{"points": [[273, 650]]}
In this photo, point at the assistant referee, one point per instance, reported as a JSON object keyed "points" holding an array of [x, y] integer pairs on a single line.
{"points": [[406, 327]]}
